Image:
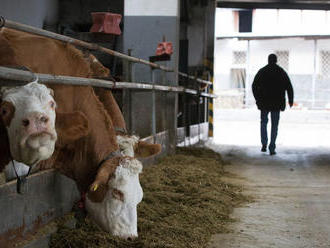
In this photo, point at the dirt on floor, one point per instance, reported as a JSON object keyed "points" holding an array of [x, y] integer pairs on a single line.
{"points": [[291, 193], [185, 201]]}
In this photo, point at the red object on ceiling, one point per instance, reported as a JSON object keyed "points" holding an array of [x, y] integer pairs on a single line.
{"points": [[164, 48], [106, 22]]}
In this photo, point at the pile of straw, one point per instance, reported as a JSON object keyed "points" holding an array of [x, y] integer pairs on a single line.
{"points": [[185, 202]]}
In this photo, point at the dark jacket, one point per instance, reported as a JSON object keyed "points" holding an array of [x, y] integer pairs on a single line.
{"points": [[269, 86]]}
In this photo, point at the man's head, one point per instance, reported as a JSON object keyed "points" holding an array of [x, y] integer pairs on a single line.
{"points": [[272, 59]]}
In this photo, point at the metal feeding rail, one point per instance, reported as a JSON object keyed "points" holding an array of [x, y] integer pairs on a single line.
{"points": [[20, 77], [90, 46]]}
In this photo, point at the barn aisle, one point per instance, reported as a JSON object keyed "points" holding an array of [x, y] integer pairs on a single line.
{"points": [[291, 190]]}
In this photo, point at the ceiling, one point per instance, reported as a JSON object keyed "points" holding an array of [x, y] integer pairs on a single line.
{"points": [[275, 4]]}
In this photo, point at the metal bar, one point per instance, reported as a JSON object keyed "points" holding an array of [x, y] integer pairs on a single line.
{"points": [[90, 46], [274, 4], [247, 75], [21, 77], [127, 98], [193, 78], [198, 116], [314, 73], [273, 37], [184, 117], [153, 107]]}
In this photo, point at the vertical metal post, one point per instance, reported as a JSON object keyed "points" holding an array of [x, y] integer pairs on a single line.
{"points": [[166, 113], [153, 107], [164, 97], [184, 117], [210, 111], [314, 73], [127, 98], [247, 81], [198, 110]]}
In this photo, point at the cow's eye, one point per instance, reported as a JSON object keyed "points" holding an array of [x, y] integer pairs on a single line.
{"points": [[52, 104], [4, 110], [25, 122]]}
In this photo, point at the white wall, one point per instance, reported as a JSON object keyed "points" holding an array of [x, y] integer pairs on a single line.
{"points": [[224, 22], [273, 21], [151, 8]]}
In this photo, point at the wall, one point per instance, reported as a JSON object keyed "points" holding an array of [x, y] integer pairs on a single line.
{"points": [[48, 195], [199, 30], [33, 12], [77, 12], [146, 22], [301, 66]]}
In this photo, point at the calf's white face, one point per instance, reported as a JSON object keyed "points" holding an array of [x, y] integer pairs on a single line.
{"points": [[126, 144], [28, 112], [117, 213]]}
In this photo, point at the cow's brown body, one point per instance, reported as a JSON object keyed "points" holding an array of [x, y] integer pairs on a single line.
{"points": [[43, 55], [87, 122], [79, 159]]}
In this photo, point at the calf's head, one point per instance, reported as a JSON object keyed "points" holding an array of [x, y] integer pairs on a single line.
{"points": [[117, 212], [134, 147], [27, 115]]}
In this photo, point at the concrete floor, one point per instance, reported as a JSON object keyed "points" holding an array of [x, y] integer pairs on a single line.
{"points": [[291, 189]]}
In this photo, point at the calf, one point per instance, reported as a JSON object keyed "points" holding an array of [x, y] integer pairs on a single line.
{"points": [[116, 213]]}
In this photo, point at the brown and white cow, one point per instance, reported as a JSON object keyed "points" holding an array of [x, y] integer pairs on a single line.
{"points": [[27, 124], [69, 62], [88, 143]]}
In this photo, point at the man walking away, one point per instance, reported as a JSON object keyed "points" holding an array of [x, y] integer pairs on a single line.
{"points": [[269, 87]]}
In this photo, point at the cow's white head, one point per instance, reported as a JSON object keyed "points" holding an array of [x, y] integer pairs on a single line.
{"points": [[117, 213], [28, 114], [127, 144], [132, 146]]}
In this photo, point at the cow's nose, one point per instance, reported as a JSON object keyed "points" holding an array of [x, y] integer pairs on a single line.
{"points": [[35, 120], [44, 119], [25, 122]]}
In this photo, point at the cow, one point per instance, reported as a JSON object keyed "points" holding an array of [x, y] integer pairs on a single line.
{"points": [[27, 124], [117, 212], [69, 62], [90, 143]]}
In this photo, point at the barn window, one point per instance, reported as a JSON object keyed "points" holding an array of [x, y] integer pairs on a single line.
{"points": [[239, 58], [283, 59], [238, 71], [325, 63]]}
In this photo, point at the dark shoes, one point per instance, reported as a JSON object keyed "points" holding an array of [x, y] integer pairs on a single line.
{"points": [[272, 152]]}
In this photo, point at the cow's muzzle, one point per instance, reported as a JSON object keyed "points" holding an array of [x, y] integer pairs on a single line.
{"points": [[37, 147]]}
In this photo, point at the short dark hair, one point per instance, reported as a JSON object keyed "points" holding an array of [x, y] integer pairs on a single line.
{"points": [[272, 59]]}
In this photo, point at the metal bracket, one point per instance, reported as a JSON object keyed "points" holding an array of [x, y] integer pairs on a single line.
{"points": [[21, 185], [2, 21]]}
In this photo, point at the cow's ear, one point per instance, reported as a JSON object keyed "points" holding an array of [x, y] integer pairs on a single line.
{"points": [[4, 145], [70, 127], [7, 111], [144, 149]]}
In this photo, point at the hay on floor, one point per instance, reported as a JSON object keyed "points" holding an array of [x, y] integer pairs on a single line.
{"points": [[185, 202]]}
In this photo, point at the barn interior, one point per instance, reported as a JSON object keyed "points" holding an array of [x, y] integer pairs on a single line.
{"points": [[172, 119]]}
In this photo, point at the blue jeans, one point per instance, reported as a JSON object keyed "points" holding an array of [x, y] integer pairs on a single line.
{"points": [[275, 117]]}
